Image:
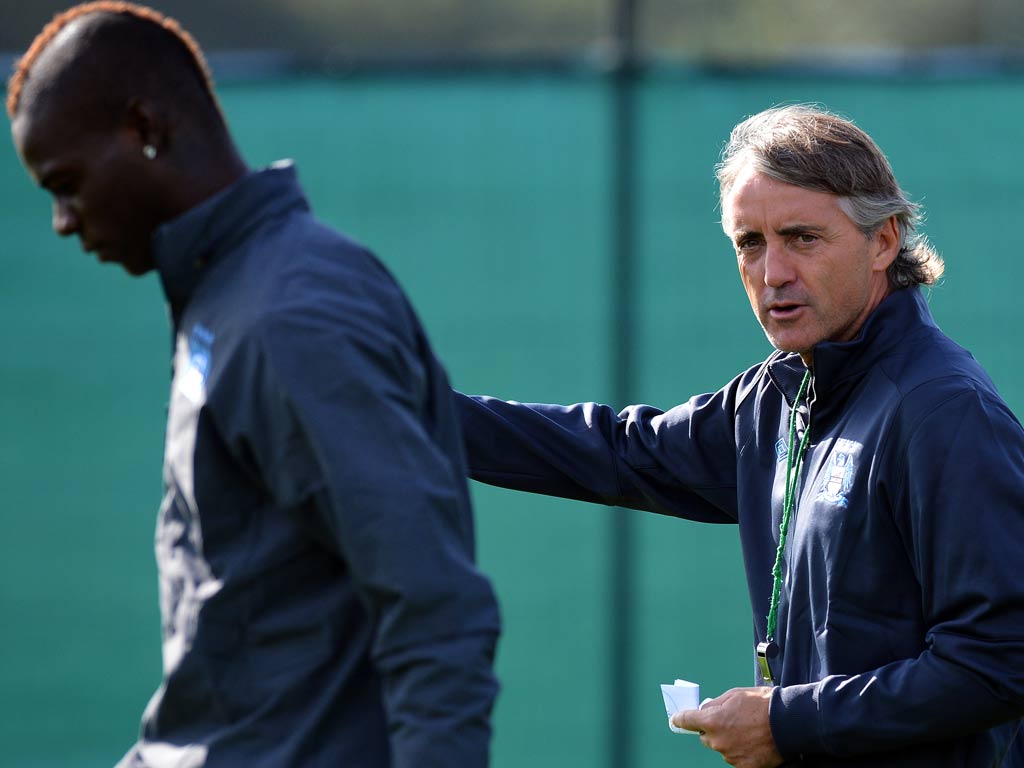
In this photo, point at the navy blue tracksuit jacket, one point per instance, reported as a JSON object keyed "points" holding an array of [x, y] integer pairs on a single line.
{"points": [[320, 602], [901, 622]]}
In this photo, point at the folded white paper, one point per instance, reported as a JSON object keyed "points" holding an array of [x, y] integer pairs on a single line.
{"points": [[682, 695]]}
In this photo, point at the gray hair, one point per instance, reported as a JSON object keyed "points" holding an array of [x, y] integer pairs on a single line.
{"points": [[809, 147]]}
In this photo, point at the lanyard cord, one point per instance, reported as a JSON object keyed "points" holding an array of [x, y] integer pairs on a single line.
{"points": [[793, 464]]}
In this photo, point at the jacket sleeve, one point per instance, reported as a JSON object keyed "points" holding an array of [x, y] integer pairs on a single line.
{"points": [[958, 506], [345, 403], [681, 462]]}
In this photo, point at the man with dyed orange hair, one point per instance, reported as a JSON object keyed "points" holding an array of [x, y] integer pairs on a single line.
{"points": [[319, 596]]}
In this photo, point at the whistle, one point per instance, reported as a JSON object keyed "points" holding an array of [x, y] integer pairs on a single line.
{"points": [[766, 653]]}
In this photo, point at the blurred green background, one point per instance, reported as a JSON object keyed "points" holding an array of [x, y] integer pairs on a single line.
{"points": [[337, 32], [488, 193], [488, 198]]}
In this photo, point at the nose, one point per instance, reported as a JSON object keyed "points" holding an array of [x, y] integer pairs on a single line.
{"points": [[778, 266], [65, 220]]}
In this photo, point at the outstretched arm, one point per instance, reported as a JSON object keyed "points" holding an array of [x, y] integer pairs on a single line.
{"points": [[681, 462]]}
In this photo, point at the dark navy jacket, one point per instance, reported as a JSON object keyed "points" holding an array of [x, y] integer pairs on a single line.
{"points": [[315, 545], [902, 613]]}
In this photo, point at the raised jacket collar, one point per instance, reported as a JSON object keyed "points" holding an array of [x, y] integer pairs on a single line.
{"points": [[838, 366], [185, 247]]}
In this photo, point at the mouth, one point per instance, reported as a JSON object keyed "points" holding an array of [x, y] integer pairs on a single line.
{"points": [[96, 249], [784, 310]]}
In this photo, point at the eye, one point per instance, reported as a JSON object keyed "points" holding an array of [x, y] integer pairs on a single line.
{"points": [[64, 185], [64, 189], [748, 243], [806, 238]]}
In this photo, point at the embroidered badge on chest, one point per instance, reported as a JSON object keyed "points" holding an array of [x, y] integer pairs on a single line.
{"points": [[838, 474], [781, 450], [192, 383]]}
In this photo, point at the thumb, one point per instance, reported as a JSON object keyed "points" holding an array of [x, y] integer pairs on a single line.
{"points": [[689, 719]]}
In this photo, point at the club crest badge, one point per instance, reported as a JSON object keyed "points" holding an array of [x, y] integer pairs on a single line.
{"points": [[781, 450], [193, 380], [838, 473]]}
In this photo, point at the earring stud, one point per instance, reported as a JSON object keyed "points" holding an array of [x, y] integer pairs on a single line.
{"points": [[149, 151]]}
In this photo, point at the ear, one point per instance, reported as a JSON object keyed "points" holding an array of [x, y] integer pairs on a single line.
{"points": [[147, 125], [887, 245]]}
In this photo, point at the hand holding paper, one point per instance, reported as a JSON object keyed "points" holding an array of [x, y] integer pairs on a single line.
{"points": [[736, 726], [678, 697]]}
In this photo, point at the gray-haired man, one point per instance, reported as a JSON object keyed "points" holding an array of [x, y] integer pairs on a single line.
{"points": [[876, 475]]}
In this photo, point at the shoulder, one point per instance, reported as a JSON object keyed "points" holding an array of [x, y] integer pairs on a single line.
{"points": [[311, 276], [743, 391], [932, 370], [302, 257], [941, 402], [298, 299]]}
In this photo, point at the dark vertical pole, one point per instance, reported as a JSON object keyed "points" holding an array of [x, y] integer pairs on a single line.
{"points": [[622, 300]]}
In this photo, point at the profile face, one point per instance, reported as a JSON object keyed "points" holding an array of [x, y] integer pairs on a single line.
{"points": [[810, 273], [102, 185]]}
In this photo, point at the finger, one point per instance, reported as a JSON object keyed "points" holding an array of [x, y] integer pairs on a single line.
{"points": [[690, 719]]}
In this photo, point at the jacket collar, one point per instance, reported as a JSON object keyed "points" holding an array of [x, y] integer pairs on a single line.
{"points": [[838, 366], [186, 246]]}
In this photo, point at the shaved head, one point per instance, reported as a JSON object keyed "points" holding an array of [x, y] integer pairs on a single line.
{"points": [[96, 58]]}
